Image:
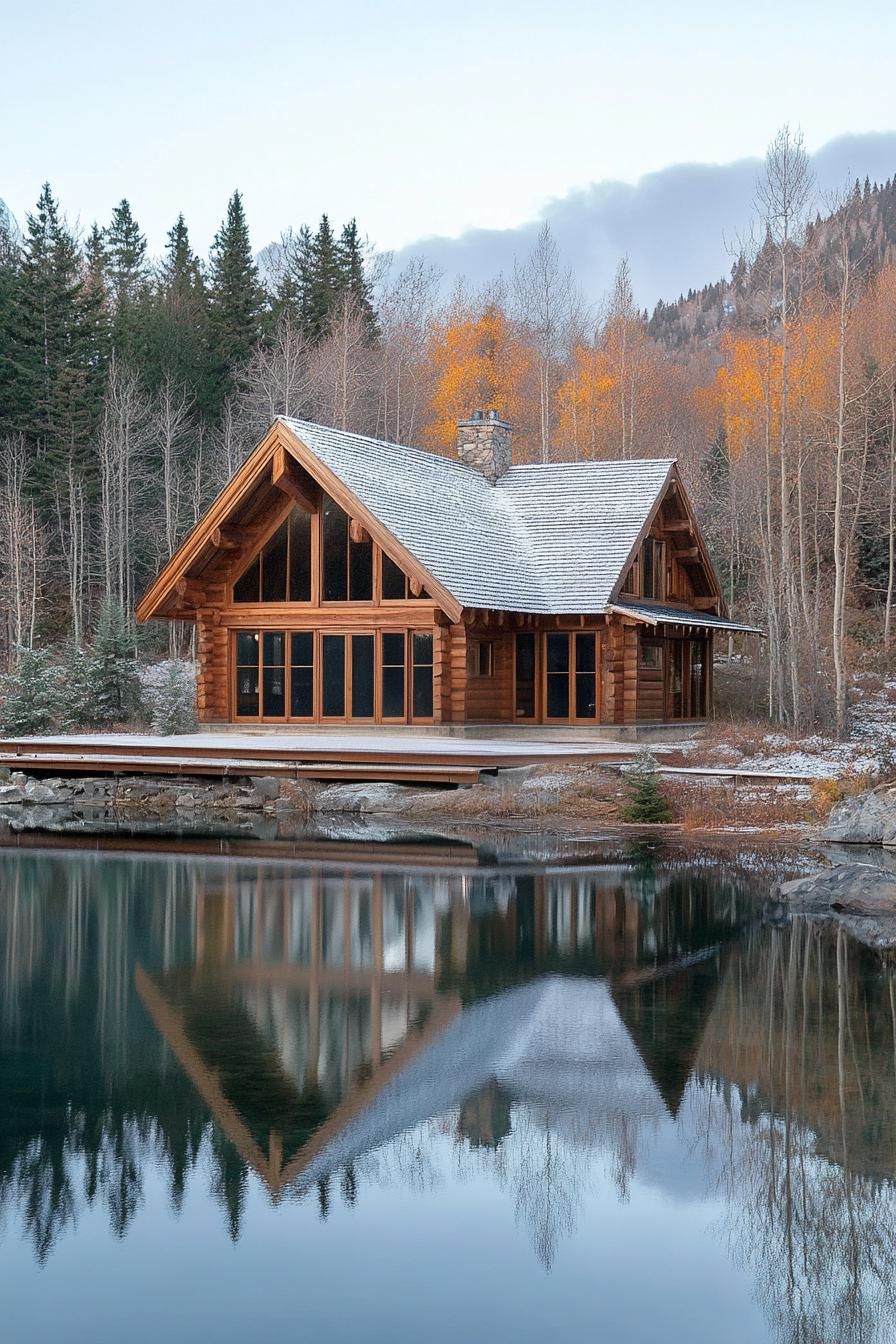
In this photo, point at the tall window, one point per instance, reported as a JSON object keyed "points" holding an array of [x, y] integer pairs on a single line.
{"points": [[281, 572], [421, 690], [247, 674], [525, 676], [392, 674], [347, 564], [396, 585], [557, 654], [653, 569]]}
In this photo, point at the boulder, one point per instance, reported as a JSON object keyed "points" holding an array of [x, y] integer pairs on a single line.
{"points": [[854, 896], [11, 793], [36, 792], [867, 819]]}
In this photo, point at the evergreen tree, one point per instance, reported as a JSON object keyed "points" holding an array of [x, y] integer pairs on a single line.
{"points": [[354, 277], [56, 384], [646, 801], [31, 697], [326, 280], [292, 298], [237, 297], [176, 327], [114, 685], [9, 279], [127, 276]]}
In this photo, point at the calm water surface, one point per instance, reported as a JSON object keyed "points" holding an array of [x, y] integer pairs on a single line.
{"points": [[412, 1093]]}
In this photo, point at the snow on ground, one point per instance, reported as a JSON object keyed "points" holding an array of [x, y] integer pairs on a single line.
{"points": [[869, 750]]}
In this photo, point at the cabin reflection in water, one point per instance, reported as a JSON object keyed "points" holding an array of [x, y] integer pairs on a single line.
{"points": [[328, 1010]]}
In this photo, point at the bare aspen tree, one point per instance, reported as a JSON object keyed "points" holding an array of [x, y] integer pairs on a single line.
{"points": [[783, 196], [406, 308], [22, 556], [548, 307], [623, 341], [341, 374], [71, 523], [274, 381], [123, 436]]}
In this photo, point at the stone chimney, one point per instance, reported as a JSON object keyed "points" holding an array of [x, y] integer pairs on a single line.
{"points": [[484, 442]]}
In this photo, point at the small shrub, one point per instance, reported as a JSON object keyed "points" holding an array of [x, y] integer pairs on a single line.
{"points": [[825, 794], [646, 801], [169, 696]]}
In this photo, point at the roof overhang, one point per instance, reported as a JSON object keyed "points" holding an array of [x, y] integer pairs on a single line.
{"points": [[265, 465], [647, 614]]}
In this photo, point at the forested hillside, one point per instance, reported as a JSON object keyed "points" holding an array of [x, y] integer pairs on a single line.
{"points": [[130, 388]]}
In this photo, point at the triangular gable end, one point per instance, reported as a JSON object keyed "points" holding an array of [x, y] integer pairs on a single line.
{"points": [[673, 486], [281, 470]]}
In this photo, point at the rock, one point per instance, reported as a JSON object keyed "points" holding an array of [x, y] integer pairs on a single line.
{"points": [[265, 786], [867, 819], [358, 798], [858, 898], [36, 792], [11, 793]]}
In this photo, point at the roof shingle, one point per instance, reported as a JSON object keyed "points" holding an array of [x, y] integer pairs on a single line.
{"points": [[548, 539]]}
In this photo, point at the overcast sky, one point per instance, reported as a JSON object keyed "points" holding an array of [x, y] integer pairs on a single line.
{"points": [[429, 120]]}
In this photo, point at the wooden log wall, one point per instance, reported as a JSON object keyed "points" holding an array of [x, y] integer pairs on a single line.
{"points": [[213, 681], [490, 699]]}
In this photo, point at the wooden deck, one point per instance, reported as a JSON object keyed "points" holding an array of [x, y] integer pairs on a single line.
{"points": [[337, 757]]}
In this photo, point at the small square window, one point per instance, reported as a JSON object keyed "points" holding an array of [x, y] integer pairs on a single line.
{"points": [[483, 658]]}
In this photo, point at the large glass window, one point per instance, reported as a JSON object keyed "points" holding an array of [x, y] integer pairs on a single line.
{"points": [[422, 687], [281, 572], [299, 556], [525, 676], [273, 674], [557, 648], [247, 674], [347, 564], [335, 552], [362, 676], [301, 704], [586, 675], [333, 663], [393, 674]]}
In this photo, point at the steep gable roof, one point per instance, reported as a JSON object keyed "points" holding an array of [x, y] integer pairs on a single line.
{"points": [[549, 539]]}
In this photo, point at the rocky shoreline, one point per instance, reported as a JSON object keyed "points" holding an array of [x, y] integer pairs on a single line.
{"points": [[867, 819]]}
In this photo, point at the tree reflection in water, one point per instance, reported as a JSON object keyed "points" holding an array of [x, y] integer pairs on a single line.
{"points": [[327, 1027]]}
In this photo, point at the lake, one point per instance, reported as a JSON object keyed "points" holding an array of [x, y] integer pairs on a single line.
{"points": [[426, 1091]]}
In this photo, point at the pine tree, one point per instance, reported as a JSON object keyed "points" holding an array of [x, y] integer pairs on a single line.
{"points": [[31, 697], [646, 801], [125, 249], [237, 297], [354, 277], [326, 280], [10, 258], [114, 684], [57, 386], [292, 298], [176, 327]]}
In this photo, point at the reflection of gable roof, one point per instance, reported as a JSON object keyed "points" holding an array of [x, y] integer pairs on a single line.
{"points": [[666, 1016], [555, 1043], [551, 538]]}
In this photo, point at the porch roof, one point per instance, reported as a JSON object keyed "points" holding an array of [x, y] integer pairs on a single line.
{"points": [[654, 613]]}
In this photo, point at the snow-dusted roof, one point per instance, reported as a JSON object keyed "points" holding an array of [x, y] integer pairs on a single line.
{"points": [[552, 539], [653, 614], [556, 1041]]}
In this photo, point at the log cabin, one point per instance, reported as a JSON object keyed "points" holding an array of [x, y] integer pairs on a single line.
{"points": [[339, 579]]}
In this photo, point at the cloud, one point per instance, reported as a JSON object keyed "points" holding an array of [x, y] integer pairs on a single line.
{"points": [[677, 226]]}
